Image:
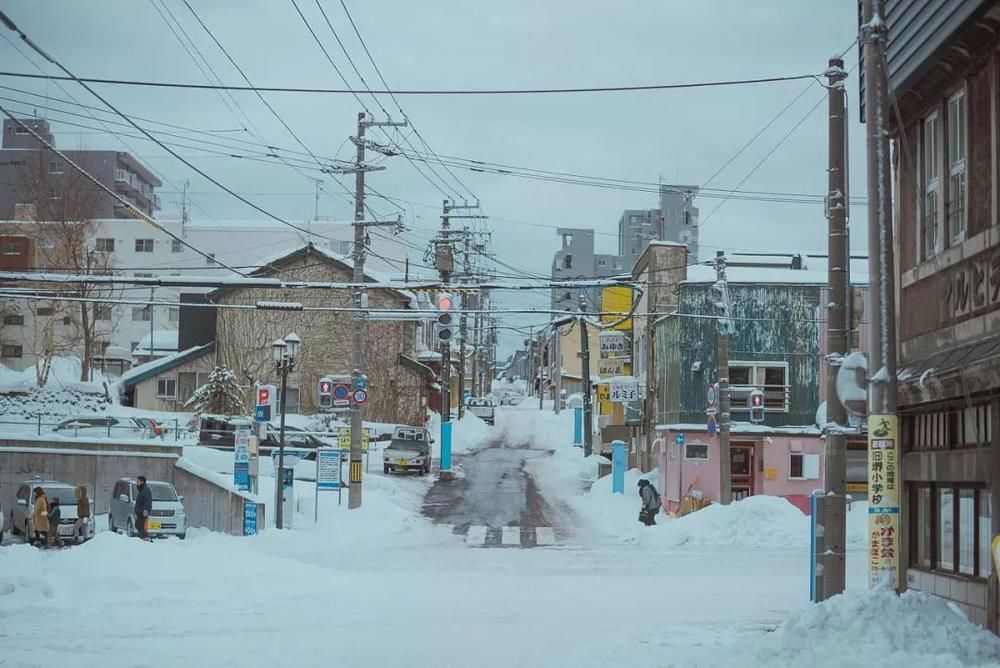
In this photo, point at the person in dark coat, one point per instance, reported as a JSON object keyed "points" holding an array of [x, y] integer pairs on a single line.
{"points": [[650, 503], [143, 506], [55, 514]]}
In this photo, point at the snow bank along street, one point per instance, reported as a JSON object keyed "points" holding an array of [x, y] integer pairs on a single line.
{"points": [[398, 583]]}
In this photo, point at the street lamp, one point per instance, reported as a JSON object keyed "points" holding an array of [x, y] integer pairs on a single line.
{"points": [[283, 351]]}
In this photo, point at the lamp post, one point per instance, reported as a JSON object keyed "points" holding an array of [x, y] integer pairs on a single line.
{"points": [[284, 352]]}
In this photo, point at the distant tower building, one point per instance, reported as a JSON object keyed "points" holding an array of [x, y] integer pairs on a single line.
{"points": [[576, 259], [675, 220]]}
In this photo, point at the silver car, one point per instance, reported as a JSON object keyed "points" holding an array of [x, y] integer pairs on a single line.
{"points": [[166, 519], [24, 506]]}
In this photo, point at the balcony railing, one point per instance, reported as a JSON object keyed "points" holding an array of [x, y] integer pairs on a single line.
{"points": [[775, 397]]}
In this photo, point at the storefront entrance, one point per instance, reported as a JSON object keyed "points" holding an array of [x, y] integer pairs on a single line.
{"points": [[741, 457]]}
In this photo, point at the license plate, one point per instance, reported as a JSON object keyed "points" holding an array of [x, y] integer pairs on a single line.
{"points": [[401, 462], [153, 525]]}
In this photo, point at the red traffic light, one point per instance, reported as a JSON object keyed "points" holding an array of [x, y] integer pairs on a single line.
{"points": [[757, 399], [444, 302], [325, 387]]}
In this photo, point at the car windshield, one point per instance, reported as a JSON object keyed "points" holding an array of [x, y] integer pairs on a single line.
{"points": [[161, 491], [65, 495]]}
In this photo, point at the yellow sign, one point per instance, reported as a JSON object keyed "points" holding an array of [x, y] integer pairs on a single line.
{"points": [[617, 300], [604, 399], [344, 439], [996, 553], [770, 473], [856, 487], [883, 500]]}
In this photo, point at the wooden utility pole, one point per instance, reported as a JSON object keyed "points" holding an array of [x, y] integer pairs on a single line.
{"points": [[835, 455], [463, 329], [557, 369], [588, 403], [722, 331]]}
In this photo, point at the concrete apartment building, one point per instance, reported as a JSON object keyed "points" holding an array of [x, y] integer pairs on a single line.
{"points": [[676, 220], [576, 259], [29, 172]]}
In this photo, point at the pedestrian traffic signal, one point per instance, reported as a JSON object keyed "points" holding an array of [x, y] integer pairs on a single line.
{"points": [[325, 393], [755, 402]]}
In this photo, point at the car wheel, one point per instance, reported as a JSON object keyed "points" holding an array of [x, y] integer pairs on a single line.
{"points": [[385, 469], [182, 536]]}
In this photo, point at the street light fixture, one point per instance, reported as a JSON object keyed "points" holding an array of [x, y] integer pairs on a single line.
{"points": [[284, 351]]}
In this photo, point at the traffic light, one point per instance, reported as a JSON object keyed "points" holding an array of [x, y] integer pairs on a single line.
{"points": [[325, 393], [444, 329], [755, 402]]}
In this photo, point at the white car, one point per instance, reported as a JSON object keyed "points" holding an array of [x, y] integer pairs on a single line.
{"points": [[24, 506], [166, 519]]}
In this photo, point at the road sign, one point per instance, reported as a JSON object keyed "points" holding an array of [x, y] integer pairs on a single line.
{"points": [[344, 439], [327, 469], [360, 397], [361, 383], [623, 389], [712, 395], [613, 342], [713, 426], [679, 439], [341, 395], [241, 457], [262, 414], [249, 518]]}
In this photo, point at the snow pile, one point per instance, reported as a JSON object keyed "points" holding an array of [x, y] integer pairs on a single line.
{"points": [[526, 426], [862, 626], [468, 434], [756, 522]]}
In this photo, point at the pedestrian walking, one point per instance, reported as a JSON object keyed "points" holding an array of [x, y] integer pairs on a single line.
{"points": [[143, 507], [40, 517], [650, 502], [55, 515], [82, 513]]}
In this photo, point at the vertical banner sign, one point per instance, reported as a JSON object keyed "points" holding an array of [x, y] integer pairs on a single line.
{"points": [[241, 458], [249, 518], [883, 500]]}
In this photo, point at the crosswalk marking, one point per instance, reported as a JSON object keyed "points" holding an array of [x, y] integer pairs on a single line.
{"points": [[545, 536], [476, 536]]}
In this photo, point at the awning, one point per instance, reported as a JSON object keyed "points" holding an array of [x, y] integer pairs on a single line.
{"points": [[952, 372]]}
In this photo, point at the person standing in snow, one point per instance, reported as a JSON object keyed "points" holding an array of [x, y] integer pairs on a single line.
{"points": [[40, 517], [650, 502], [82, 512], [55, 515], [143, 506]]}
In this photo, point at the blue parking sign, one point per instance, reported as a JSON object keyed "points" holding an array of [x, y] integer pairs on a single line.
{"points": [[262, 414], [249, 518]]}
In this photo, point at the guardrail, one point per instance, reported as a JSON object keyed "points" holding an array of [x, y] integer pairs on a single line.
{"points": [[168, 431]]}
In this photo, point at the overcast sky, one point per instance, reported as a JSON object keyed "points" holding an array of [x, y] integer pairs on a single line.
{"points": [[678, 136]]}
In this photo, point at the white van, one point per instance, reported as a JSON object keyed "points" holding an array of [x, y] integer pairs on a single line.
{"points": [[166, 519]]}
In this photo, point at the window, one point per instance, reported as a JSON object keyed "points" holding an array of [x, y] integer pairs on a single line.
{"points": [[930, 187], [20, 130], [11, 351], [166, 388], [173, 314], [105, 245], [188, 382], [771, 378], [802, 466], [143, 245], [55, 167], [141, 314], [567, 262], [956, 168], [44, 310], [950, 529], [102, 312], [176, 246], [210, 258], [11, 248], [13, 319], [633, 219], [67, 320], [695, 450]]}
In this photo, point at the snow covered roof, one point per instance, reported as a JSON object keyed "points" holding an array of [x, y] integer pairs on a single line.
{"points": [[429, 356], [744, 428], [164, 342], [137, 374], [771, 275]]}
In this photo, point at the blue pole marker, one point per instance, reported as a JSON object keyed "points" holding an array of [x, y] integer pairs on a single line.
{"points": [[446, 446], [578, 426], [618, 463]]}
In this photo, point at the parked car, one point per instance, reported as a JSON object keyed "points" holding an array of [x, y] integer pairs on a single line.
{"points": [[1, 523], [483, 408], [109, 426], [166, 519], [512, 400], [409, 450], [220, 432], [24, 506]]}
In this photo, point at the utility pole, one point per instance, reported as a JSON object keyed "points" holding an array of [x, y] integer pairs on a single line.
{"points": [[882, 399], [541, 367], [588, 404], [463, 331], [835, 456], [359, 317], [722, 332], [557, 355]]}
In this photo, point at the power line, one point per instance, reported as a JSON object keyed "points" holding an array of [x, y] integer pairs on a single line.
{"points": [[443, 91]]}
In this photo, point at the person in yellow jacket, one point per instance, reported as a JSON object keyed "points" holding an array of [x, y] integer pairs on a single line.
{"points": [[40, 517]]}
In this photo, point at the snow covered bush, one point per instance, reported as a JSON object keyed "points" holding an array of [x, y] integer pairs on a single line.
{"points": [[221, 395]]}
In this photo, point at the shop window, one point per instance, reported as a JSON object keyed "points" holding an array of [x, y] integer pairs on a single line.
{"points": [[966, 531], [922, 533], [984, 518], [697, 451], [946, 529], [950, 527]]}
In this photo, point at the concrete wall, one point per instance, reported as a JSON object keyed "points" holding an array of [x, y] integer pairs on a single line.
{"points": [[97, 465], [211, 506]]}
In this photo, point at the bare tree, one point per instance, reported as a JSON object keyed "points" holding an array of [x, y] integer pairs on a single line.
{"points": [[63, 204]]}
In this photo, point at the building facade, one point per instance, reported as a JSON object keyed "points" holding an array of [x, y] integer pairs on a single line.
{"points": [[576, 259], [675, 220], [943, 67]]}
